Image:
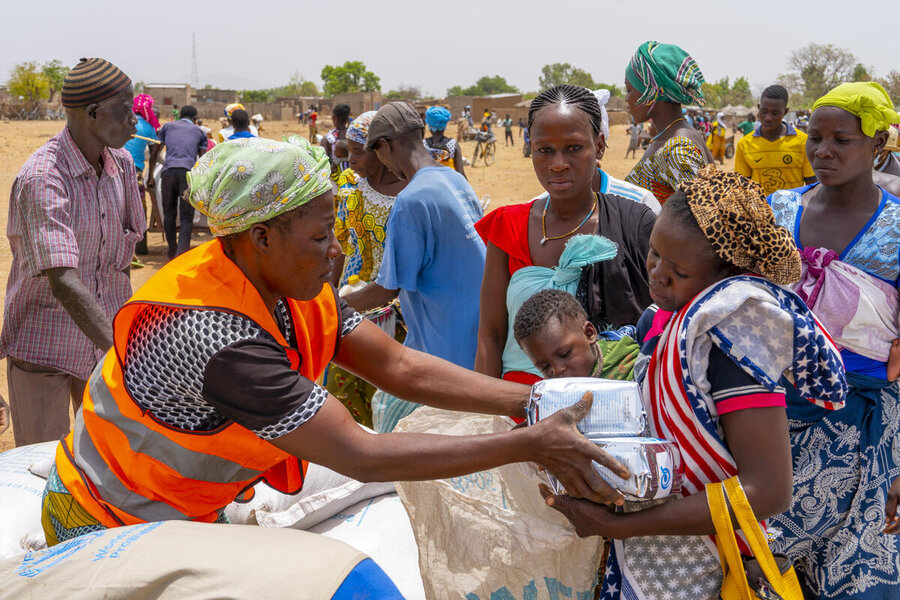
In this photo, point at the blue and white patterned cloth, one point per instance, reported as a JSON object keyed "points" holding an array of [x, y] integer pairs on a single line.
{"points": [[875, 249], [845, 461]]}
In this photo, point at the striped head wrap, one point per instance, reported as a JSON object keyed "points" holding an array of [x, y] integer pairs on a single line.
{"points": [[665, 71], [92, 80]]}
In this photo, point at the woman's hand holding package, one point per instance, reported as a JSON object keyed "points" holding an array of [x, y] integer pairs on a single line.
{"points": [[587, 518], [566, 453]]}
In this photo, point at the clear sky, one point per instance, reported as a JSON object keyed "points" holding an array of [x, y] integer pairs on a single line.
{"points": [[433, 45]]}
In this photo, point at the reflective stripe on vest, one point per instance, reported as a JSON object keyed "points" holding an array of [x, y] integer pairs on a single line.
{"points": [[151, 443], [124, 466]]}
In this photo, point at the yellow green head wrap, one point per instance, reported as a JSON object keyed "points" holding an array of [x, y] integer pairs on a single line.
{"points": [[865, 99], [246, 181]]}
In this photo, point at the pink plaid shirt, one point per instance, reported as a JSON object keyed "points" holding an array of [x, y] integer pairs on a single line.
{"points": [[61, 214]]}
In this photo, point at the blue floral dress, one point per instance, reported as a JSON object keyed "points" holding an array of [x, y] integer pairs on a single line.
{"points": [[845, 460]]}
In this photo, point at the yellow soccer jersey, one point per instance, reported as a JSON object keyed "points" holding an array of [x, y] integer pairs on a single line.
{"points": [[778, 165]]}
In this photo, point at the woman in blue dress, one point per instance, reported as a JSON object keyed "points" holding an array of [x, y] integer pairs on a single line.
{"points": [[847, 462]]}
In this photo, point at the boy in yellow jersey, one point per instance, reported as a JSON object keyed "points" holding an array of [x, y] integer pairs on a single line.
{"points": [[774, 154]]}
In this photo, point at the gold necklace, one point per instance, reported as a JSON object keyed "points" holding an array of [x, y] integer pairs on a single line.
{"points": [[547, 238], [656, 137]]}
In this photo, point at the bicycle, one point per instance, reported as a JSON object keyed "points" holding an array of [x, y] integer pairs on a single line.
{"points": [[485, 149]]}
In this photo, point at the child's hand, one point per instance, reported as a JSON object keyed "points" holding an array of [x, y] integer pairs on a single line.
{"points": [[587, 517]]}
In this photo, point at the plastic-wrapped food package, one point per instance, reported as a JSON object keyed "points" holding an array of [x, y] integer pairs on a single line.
{"points": [[655, 466], [617, 410]]}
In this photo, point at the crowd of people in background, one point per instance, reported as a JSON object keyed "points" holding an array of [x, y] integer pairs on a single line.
{"points": [[758, 309]]}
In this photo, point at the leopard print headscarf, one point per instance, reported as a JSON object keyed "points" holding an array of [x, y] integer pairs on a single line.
{"points": [[733, 214]]}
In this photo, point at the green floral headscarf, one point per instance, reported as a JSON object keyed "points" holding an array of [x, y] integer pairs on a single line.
{"points": [[246, 181]]}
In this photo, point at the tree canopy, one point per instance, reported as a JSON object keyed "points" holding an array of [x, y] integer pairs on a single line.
{"points": [[352, 76], [404, 92], [723, 92], [55, 72], [254, 95], [556, 74], [891, 83], [28, 81], [297, 86], [485, 86], [815, 69]]}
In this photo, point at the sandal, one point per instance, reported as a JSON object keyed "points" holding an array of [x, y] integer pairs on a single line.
{"points": [[136, 263]]}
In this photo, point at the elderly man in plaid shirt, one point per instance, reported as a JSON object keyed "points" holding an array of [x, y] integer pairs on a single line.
{"points": [[75, 215]]}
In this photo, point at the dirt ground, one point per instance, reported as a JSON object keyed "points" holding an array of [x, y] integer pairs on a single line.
{"points": [[509, 180]]}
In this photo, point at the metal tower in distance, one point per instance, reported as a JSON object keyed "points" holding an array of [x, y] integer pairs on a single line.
{"points": [[195, 75]]}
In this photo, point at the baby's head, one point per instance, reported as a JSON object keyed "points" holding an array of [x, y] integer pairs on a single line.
{"points": [[554, 332], [341, 150]]}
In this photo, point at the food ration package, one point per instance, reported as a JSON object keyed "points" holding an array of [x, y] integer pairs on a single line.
{"points": [[655, 466], [617, 410]]}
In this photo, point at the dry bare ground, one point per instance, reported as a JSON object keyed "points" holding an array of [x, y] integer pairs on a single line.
{"points": [[509, 180]]}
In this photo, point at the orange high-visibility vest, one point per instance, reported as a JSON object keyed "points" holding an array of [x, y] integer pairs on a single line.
{"points": [[124, 466]]}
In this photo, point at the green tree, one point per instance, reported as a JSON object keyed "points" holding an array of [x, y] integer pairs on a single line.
{"points": [[723, 93], [740, 94], [55, 72], [614, 90], [254, 95], [556, 74], [296, 86], [714, 93], [815, 69], [352, 76], [28, 82], [405, 92], [494, 85], [485, 86], [861, 73], [891, 84]]}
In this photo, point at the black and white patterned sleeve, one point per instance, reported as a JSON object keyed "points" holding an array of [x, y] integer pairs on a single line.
{"points": [[252, 383], [350, 319]]}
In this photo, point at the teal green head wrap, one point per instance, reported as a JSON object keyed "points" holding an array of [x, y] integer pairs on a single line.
{"points": [[246, 181], [665, 71], [865, 99]]}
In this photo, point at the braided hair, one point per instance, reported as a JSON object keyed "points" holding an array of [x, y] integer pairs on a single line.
{"points": [[576, 95]]}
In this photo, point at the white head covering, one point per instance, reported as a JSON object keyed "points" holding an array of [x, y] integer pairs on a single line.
{"points": [[720, 118], [602, 96]]}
